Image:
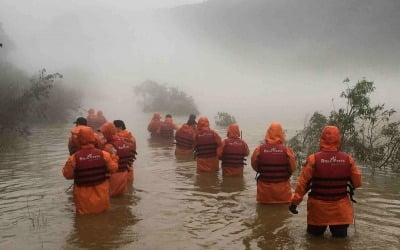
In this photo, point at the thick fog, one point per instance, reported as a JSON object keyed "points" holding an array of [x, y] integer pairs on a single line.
{"points": [[264, 60]]}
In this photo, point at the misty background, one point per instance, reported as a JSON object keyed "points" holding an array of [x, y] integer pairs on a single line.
{"points": [[260, 60]]}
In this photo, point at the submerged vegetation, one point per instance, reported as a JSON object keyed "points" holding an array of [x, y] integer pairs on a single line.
{"points": [[224, 119], [26, 100], [155, 97], [369, 132]]}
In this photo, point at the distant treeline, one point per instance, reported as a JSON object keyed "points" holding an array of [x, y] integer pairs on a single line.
{"points": [[369, 132], [155, 97], [26, 100]]}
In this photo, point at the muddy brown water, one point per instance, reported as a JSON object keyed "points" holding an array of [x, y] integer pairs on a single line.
{"points": [[170, 206]]}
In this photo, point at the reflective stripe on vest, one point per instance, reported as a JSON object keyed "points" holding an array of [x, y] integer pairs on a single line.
{"points": [[125, 153], [184, 139], [234, 153], [331, 175], [206, 144], [166, 130], [273, 163], [90, 169]]}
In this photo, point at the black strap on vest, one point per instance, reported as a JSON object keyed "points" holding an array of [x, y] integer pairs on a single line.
{"points": [[349, 186]]}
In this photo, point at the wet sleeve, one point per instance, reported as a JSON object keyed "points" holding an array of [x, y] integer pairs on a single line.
{"points": [[111, 162], [220, 150], [254, 158], [247, 149], [355, 174], [219, 141], [304, 178], [292, 160], [218, 138], [68, 169]]}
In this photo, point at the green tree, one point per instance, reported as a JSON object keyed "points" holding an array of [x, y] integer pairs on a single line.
{"points": [[155, 97], [368, 131], [224, 119]]}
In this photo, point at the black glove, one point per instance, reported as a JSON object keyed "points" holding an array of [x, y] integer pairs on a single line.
{"points": [[293, 209]]}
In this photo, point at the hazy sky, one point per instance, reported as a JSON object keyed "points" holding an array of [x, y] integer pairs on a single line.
{"points": [[222, 55]]}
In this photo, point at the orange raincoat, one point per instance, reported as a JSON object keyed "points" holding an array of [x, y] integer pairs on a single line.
{"points": [[274, 192], [155, 124], [118, 180], [169, 120], [190, 130], [125, 134], [73, 142], [100, 119], [90, 199], [209, 164], [233, 133], [320, 212], [91, 119]]}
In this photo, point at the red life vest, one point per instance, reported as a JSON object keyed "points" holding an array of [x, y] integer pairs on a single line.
{"points": [[90, 169], [234, 153], [330, 177], [131, 144], [184, 139], [166, 130], [125, 153], [206, 145], [273, 163]]}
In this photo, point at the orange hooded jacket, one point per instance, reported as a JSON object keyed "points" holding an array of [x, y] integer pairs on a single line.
{"points": [[73, 142], [125, 134], [169, 120], [155, 124], [190, 130], [91, 119], [210, 164], [92, 199], [118, 180], [100, 119], [320, 212], [274, 192], [233, 133]]}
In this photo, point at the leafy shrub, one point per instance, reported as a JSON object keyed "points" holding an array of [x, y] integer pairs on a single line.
{"points": [[26, 101], [368, 131], [224, 119], [155, 97]]}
